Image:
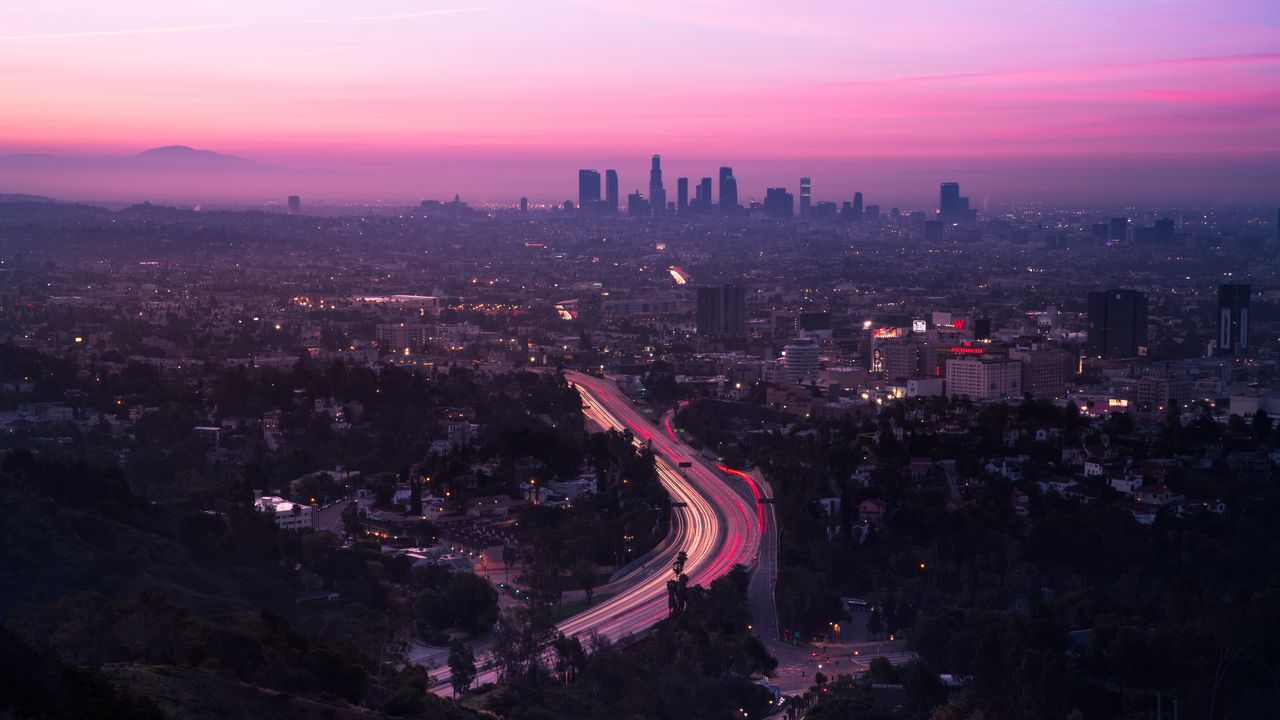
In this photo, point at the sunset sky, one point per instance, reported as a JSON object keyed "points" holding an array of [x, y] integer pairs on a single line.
{"points": [[498, 99]]}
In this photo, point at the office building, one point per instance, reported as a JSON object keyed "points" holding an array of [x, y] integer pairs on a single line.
{"points": [[1233, 319], [707, 315], [800, 359], [682, 195], [399, 337], [1118, 228], [779, 203], [982, 377], [611, 191], [637, 206], [1117, 324], [702, 198], [728, 192], [806, 197], [721, 311], [657, 195], [873, 213], [295, 204], [952, 207], [903, 359], [1044, 369], [524, 204], [982, 328], [857, 206], [1160, 392], [588, 190]]}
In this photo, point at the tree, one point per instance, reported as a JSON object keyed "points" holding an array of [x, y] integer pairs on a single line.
{"points": [[467, 601], [509, 557], [584, 573], [1261, 424], [677, 567], [462, 667]]}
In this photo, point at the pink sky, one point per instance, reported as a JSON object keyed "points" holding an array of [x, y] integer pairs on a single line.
{"points": [[1047, 96]]}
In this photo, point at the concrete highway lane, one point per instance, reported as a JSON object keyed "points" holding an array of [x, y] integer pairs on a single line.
{"points": [[716, 523]]}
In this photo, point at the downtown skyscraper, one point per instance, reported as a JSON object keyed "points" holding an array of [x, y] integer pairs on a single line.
{"points": [[588, 191], [611, 191], [728, 192], [657, 195]]}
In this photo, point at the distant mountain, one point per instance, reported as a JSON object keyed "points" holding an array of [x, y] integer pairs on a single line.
{"points": [[181, 156], [172, 158], [12, 198]]}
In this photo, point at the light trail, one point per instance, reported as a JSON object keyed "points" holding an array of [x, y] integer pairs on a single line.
{"points": [[710, 524]]}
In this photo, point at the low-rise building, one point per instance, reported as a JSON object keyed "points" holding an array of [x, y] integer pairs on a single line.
{"points": [[288, 515]]}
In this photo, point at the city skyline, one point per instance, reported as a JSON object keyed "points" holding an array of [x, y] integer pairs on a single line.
{"points": [[1147, 101]]}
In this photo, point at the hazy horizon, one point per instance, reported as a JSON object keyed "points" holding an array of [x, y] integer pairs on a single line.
{"points": [[497, 178], [1135, 102]]}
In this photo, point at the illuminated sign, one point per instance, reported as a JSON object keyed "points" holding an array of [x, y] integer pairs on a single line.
{"points": [[1117, 402], [919, 326], [958, 323], [965, 350]]}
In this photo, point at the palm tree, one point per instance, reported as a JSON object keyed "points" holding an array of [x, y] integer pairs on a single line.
{"points": [[584, 573]]}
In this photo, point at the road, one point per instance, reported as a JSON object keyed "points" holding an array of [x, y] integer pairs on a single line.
{"points": [[715, 522]]}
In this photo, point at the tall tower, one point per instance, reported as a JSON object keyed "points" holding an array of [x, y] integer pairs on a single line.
{"points": [[857, 206], [806, 197], [728, 192], [1117, 324], [588, 190], [951, 207], [682, 195], [657, 195], [611, 190], [295, 204], [1233, 319]]}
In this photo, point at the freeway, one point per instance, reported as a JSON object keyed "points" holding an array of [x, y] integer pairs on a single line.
{"points": [[718, 527], [715, 522]]}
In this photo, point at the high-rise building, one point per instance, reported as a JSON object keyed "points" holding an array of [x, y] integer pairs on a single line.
{"points": [[611, 191], [1044, 369], [657, 195], [682, 195], [873, 213], [295, 204], [707, 314], [702, 197], [728, 192], [1118, 228], [902, 359], [779, 203], [721, 311], [588, 190], [524, 204], [952, 208], [982, 377], [857, 206], [1233, 319], [733, 309], [1117, 324], [806, 197], [982, 328], [637, 206]]}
